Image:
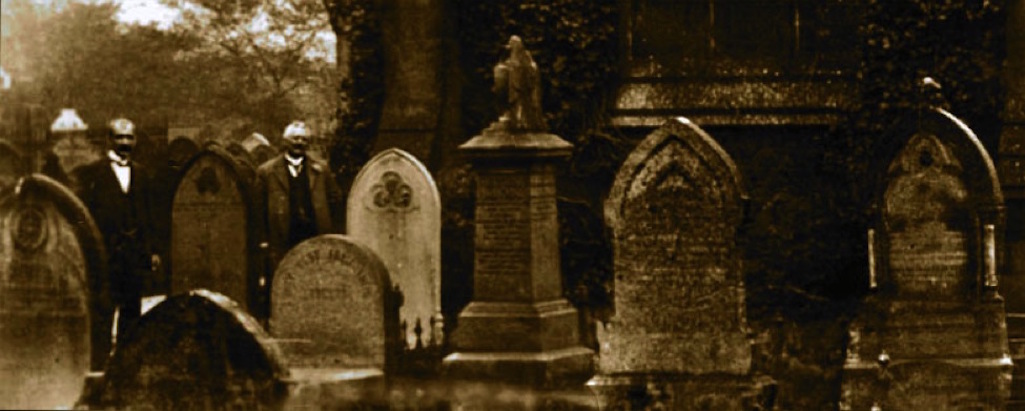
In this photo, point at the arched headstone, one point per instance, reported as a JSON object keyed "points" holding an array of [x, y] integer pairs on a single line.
{"points": [[51, 256], [394, 209], [934, 321], [329, 305], [674, 212], [195, 351], [213, 243]]}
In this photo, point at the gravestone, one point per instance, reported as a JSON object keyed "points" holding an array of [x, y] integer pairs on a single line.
{"points": [[932, 334], [674, 212], [213, 230], [180, 151], [51, 255], [195, 351], [12, 164], [330, 306], [394, 209]]}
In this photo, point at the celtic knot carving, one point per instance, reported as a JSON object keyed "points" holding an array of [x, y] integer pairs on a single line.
{"points": [[392, 193]]}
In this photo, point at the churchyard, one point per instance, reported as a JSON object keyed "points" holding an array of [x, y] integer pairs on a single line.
{"points": [[354, 320], [718, 206]]}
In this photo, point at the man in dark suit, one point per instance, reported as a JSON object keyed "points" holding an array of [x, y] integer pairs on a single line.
{"points": [[296, 196], [117, 192]]}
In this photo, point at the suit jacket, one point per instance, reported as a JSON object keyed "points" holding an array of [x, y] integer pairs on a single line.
{"points": [[272, 198], [129, 251]]}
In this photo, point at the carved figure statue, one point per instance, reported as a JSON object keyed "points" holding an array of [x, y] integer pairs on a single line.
{"points": [[518, 88]]}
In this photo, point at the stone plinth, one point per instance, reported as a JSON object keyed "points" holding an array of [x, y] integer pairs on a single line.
{"points": [[933, 335], [518, 327]]}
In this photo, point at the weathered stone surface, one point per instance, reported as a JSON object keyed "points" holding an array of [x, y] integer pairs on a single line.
{"points": [[49, 251], [74, 150], [12, 164], [212, 235], [180, 151], [674, 210], [518, 328], [195, 351], [933, 336], [394, 209], [328, 305]]}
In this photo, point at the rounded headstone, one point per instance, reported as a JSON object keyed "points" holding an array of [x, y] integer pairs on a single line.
{"points": [[394, 209], [328, 304], [48, 246], [195, 351]]}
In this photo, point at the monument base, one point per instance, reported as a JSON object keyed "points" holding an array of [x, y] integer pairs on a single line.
{"points": [[547, 369], [940, 385], [642, 391]]}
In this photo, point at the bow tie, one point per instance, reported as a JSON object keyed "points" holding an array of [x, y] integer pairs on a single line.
{"points": [[121, 163]]}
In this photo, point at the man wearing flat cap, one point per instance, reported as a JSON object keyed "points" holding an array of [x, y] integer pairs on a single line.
{"points": [[296, 194], [118, 193]]}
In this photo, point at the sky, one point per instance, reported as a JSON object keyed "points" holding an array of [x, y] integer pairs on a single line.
{"points": [[146, 12]]}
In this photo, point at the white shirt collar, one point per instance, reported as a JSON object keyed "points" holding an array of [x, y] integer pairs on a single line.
{"points": [[294, 161], [114, 157]]}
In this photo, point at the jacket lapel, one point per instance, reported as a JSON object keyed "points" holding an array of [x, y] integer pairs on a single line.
{"points": [[313, 173], [281, 172]]}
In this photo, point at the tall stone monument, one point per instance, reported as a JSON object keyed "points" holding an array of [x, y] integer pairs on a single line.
{"points": [[212, 230], [679, 336], [51, 256], [932, 334], [518, 327], [394, 208], [69, 147]]}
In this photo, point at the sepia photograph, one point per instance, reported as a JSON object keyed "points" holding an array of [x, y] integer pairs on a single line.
{"points": [[567, 205]]}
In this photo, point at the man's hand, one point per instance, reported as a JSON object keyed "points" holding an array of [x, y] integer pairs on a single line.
{"points": [[155, 262]]}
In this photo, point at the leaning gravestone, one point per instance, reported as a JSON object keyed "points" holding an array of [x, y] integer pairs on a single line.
{"points": [[329, 305], [395, 210], [195, 351], [932, 335], [213, 231], [680, 323], [50, 251]]}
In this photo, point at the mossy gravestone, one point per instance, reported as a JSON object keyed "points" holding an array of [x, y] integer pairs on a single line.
{"points": [[195, 351], [328, 305], [680, 326], [394, 209], [49, 252], [932, 334], [212, 230]]}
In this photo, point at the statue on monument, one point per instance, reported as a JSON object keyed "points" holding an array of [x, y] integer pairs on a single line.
{"points": [[518, 88]]}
